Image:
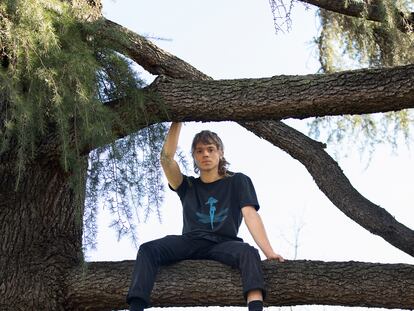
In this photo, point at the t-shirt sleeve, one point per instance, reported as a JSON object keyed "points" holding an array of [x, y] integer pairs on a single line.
{"points": [[182, 188], [246, 192]]}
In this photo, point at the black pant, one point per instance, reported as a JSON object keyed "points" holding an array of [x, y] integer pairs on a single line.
{"points": [[173, 248]]}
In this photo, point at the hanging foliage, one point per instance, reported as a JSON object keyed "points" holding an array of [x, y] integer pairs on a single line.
{"points": [[56, 77], [346, 42]]}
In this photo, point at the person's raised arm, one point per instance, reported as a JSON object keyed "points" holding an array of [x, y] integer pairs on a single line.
{"points": [[256, 228], [169, 165]]}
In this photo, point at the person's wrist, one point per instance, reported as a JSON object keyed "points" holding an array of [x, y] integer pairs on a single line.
{"points": [[269, 253]]}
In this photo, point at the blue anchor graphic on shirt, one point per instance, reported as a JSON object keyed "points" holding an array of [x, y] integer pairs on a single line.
{"points": [[212, 217], [212, 201]]}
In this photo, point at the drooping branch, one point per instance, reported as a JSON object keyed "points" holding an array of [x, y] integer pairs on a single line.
{"points": [[352, 202], [103, 285], [147, 54], [334, 184], [365, 9]]}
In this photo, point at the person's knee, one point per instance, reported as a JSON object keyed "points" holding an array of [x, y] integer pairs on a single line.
{"points": [[149, 249], [251, 252]]}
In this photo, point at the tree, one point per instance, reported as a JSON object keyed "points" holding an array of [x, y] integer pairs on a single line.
{"points": [[41, 264]]}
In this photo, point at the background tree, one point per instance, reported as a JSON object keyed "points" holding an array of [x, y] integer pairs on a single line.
{"points": [[67, 89], [377, 39]]}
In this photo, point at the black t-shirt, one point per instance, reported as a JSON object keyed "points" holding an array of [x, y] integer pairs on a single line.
{"points": [[213, 210]]}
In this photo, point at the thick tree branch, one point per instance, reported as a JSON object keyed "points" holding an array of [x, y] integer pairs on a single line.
{"points": [[334, 184], [281, 97], [365, 9], [103, 285], [350, 205]]}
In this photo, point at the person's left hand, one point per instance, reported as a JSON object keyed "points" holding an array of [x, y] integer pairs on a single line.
{"points": [[274, 256]]}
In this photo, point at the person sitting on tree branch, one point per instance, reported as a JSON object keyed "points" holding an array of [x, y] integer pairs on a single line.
{"points": [[213, 207]]}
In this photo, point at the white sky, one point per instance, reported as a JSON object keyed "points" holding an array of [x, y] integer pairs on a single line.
{"points": [[236, 39]]}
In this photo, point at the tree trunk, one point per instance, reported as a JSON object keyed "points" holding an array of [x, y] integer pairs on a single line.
{"points": [[103, 285], [40, 223], [41, 230]]}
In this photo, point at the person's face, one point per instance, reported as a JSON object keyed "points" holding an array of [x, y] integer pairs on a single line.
{"points": [[207, 157]]}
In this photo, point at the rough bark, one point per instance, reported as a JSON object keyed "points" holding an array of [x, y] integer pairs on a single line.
{"points": [[281, 97], [369, 10], [40, 226], [334, 184], [206, 283], [277, 98], [41, 229]]}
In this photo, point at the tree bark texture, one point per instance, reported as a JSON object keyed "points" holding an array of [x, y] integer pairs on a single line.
{"points": [[281, 97], [41, 230], [40, 225], [276, 98], [103, 285]]}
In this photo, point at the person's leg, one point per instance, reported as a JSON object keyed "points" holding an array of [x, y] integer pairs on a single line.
{"points": [[247, 259], [150, 257], [255, 294], [255, 305]]}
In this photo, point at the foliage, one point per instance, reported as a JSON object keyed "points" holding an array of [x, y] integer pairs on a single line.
{"points": [[281, 12], [56, 77], [347, 42], [363, 132], [124, 173]]}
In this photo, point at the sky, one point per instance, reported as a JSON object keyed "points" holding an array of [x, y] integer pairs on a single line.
{"points": [[236, 39]]}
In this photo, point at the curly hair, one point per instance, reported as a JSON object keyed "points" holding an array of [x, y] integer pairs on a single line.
{"points": [[207, 137]]}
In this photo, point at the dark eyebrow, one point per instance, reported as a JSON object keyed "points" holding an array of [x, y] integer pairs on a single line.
{"points": [[207, 146]]}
